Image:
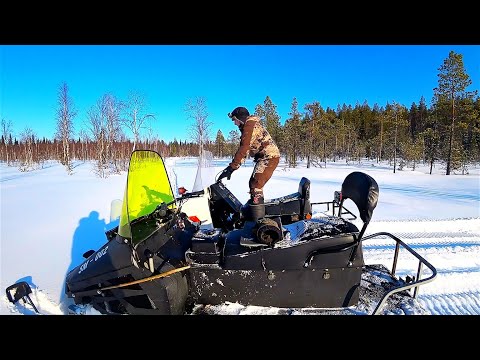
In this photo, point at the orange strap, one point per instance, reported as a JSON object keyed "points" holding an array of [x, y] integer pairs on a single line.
{"points": [[158, 276]]}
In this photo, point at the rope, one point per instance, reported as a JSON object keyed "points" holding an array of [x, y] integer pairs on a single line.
{"points": [[158, 276]]}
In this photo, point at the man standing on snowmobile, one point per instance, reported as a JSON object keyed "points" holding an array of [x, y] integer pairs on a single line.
{"points": [[256, 141]]}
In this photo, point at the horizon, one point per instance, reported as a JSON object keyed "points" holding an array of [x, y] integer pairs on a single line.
{"points": [[227, 76], [436, 215]]}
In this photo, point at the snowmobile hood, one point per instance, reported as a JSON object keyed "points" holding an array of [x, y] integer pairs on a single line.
{"points": [[147, 187]]}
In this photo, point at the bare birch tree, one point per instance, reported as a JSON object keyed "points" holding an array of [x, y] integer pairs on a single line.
{"points": [[111, 110], [135, 117], [196, 110], [6, 133], [84, 144], [65, 114], [98, 129], [27, 138]]}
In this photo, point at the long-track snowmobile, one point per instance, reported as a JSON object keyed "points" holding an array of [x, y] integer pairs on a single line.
{"points": [[178, 255]]}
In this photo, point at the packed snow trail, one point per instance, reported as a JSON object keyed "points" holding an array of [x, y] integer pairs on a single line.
{"points": [[451, 246]]}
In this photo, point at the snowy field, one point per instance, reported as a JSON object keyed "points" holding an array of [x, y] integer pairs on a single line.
{"points": [[49, 219]]}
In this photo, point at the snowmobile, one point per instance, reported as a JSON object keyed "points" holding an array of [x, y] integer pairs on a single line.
{"points": [[175, 255]]}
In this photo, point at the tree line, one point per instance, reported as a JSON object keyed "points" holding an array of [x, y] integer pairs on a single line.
{"points": [[445, 132]]}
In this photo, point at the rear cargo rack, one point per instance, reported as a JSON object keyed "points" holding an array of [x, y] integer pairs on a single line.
{"points": [[335, 204], [416, 283]]}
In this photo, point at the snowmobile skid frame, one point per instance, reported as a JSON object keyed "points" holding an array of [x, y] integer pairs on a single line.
{"points": [[163, 259], [410, 282], [414, 282]]}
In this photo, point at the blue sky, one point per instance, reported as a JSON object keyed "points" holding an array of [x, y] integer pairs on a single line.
{"points": [[225, 75]]}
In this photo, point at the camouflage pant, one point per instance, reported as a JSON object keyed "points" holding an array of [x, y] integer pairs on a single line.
{"points": [[262, 172]]}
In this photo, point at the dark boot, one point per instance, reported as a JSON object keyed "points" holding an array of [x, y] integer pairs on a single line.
{"points": [[257, 208]]}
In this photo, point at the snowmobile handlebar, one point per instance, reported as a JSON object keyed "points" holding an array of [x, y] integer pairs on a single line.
{"points": [[187, 196], [192, 194], [160, 211]]}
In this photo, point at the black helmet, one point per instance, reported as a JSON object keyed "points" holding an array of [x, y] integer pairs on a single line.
{"points": [[240, 113]]}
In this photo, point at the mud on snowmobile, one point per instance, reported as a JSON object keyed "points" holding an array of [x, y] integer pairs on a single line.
{"points": [[174, 255]]}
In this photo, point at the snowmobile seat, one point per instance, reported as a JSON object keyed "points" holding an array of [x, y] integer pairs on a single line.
{"points": [[289, 208], [292, 255], [362, 189], [297, 203], [224, 205]]}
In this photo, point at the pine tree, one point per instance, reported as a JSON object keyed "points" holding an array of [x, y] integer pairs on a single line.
{"points": [[270, 119], [311, 123], [452, 84], [293, 134], [399, 124], [220, 144], [413, 116], [422, 116], [233, 141], [260, 112]]}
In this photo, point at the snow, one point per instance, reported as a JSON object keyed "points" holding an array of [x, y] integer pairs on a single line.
{"points": [[49, 219]]}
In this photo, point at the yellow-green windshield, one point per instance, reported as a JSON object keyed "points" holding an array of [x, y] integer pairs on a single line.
{"points": [[147, 187]]}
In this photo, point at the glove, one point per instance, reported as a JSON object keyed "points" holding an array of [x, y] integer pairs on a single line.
{"points": [[226, 173]]}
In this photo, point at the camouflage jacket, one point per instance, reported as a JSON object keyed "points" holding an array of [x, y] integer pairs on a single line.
{"points": [[255, 141]]}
